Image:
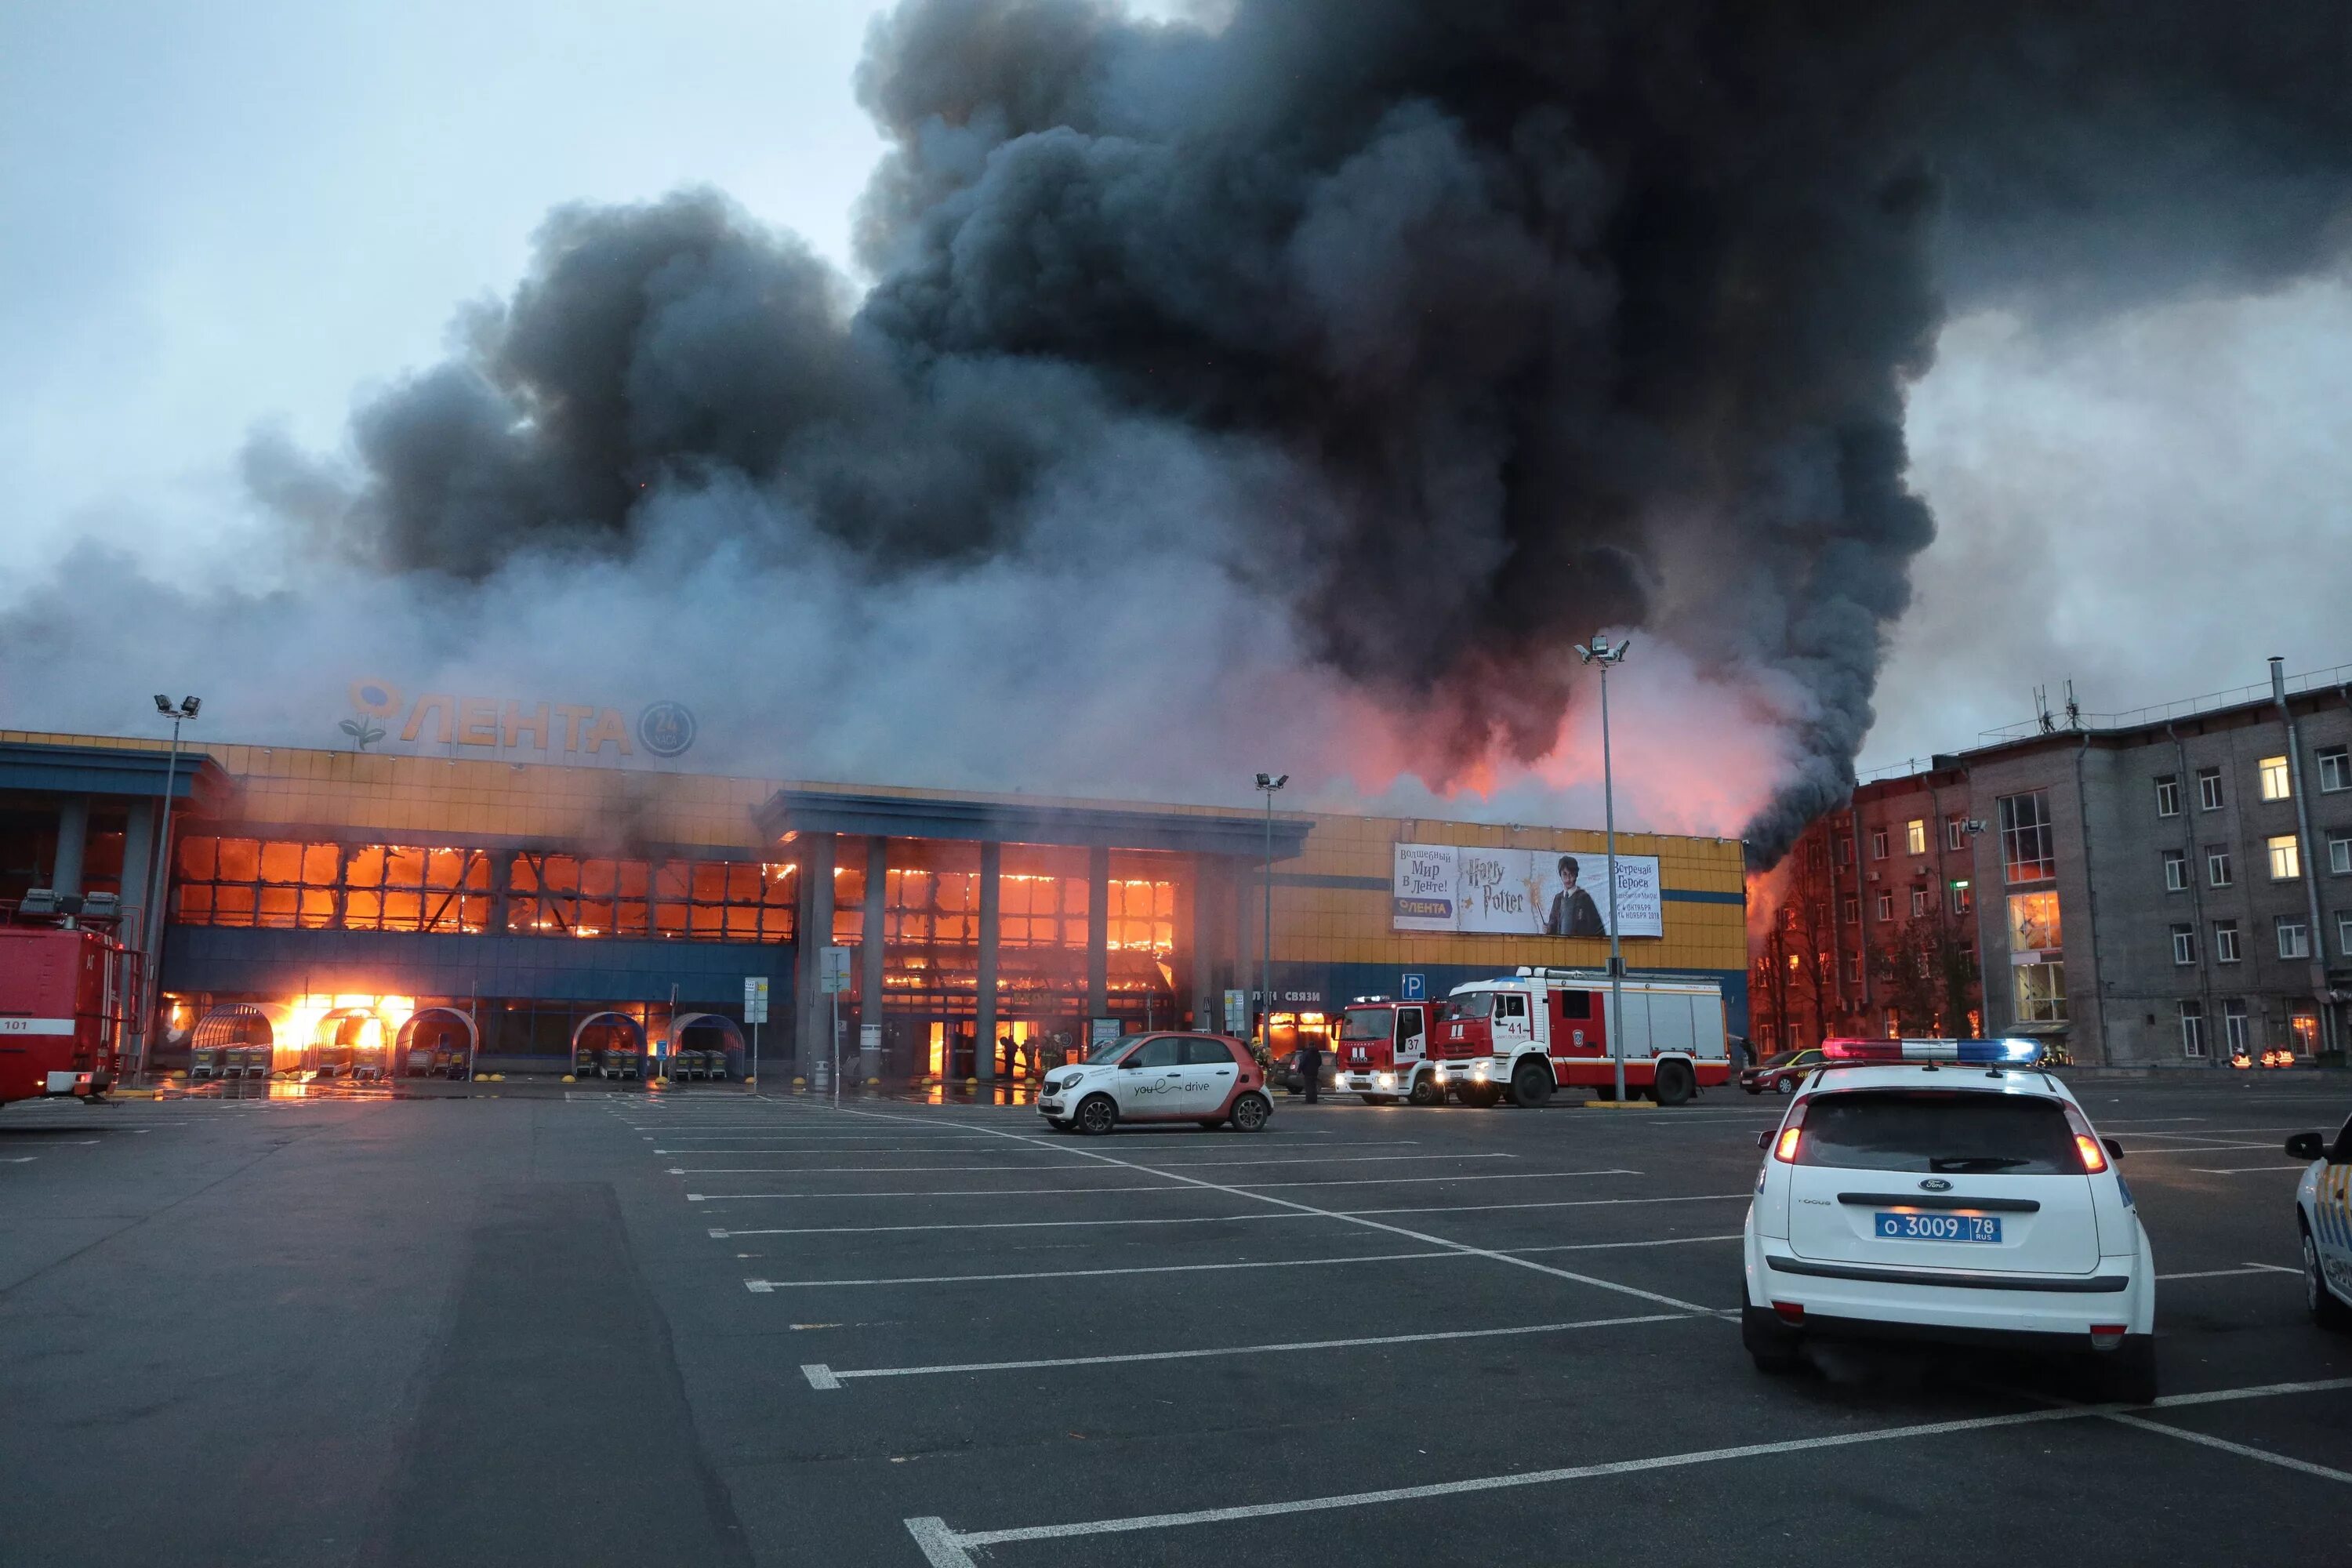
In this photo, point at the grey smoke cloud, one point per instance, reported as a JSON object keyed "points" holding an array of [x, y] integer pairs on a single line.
{"points": [[1328, 373]]}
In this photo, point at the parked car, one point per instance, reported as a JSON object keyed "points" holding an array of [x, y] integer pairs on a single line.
{"points": [[1779, 1073]]}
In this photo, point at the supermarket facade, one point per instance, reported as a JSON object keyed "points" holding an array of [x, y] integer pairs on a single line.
{"points": [[518, 911]]}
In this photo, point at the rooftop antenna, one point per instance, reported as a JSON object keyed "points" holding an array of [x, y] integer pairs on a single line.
{"points": [[2042, 710], [2074, 708]]}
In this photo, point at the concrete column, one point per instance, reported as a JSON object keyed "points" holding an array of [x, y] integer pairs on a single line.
{"points": [[871, 952], [1206, 1014], [138, 865], [992, 866], [1097, 932], [73, 837], [812, 1008]]}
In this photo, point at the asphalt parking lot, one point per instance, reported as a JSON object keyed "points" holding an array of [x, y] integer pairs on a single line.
{"points": [[542, 1327]]}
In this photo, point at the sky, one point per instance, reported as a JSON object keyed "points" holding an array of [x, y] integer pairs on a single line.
{"points": [[248, 215]]}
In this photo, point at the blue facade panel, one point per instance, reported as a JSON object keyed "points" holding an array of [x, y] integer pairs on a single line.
{"points": [[553, 969]]}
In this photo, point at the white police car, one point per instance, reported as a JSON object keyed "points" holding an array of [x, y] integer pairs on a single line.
{"points": [[1947, 1191], [1160, 1076], [2323, 1210]]}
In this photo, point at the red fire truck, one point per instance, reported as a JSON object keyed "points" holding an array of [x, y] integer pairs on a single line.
{"points": [[1389, 1051], [61, 989], [1528, 1034]]}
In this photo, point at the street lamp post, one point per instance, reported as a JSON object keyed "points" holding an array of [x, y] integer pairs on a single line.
{"points": [[159, 883], [1268, 784], [1599, 652]]}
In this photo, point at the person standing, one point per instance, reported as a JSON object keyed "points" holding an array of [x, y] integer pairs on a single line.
{"points": [[1309, 1057]]}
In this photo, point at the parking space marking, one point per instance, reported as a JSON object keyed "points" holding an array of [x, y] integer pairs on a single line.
{"points": [[834, 1377], [2223, 1273], [2196, 1148], [1553, 1204], [948, 1192], [2245, 1450], [947, 1548], [1614, 1245], [1254, 1187], [1264, 1197], [768, 1287], [1008, 1223], [1083, 1165], [2239, 1170]]}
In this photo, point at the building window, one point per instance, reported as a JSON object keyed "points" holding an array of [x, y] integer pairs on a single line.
{"points": [[2335, 769], [1918, 902], [2293, 937], [2209, 789], [2176, 870], [2275, 784], [700, 901], [2217, 865], [1853, 969], [1962, 900], [1844, 851], [1956, 832], [2286, 857], [2184, 944], [1878, 843], [2339, 857], [1887, 906], [1853, 910], [1919, 963], [2192, 1029], [2343, 935], [2237, 1031], [2033, 924], [2028, 849], [1915, 835], [2168, 795], [2225, 941], [2304, 1028], [2041, 993], [281, 885]]}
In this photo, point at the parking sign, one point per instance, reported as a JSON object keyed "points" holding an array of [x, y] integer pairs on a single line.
{"points": [[1416, 988], [755, 998]]}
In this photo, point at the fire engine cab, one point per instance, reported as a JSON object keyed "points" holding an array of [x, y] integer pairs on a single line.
{"points": [[1528, 1034], [62, 985], [1390, 1049]]}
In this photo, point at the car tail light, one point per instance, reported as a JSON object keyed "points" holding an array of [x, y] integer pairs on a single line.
{"points": [[1784, 1148], [1789, 1311], [2107, 1336], [2086, 1143]]}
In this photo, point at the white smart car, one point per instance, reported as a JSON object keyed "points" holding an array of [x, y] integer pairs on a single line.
{"points": [[2323, 1210], [1948, 1191]]}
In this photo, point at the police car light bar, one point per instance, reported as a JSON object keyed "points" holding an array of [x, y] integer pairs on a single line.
{"points": [[2014, 1053]]}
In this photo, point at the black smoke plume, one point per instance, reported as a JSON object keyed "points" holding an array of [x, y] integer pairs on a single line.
{"points": [[1495, 323]]}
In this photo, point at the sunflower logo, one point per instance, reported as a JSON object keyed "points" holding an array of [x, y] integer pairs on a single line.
{"points": [[374, 699]]}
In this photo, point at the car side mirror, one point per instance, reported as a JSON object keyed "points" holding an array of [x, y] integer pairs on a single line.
{"points": [[1764, 1140], [1133, 1061], [2115, 1150], [2307, 1146]]}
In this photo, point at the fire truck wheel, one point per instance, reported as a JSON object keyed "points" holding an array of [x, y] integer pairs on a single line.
{"points": [[1251, 1111], [1674, 1083], [1531, 1085], [1425, 1091], [1096, 1115]]}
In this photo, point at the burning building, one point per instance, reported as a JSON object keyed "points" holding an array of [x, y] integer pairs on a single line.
{"points": [[354, 912]]}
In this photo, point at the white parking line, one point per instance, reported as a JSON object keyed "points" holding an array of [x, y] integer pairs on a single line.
{"points": [[1409, 1235], [1006, 1225], [769, 1287], [2195, 1149], [2239, 1170], [1080, 1165], [947, 1548], [1250, 1191], [1614, 1245], [1553, 1204], [2224, 1273], [826, 1377]]}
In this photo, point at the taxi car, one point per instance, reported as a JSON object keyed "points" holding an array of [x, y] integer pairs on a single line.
{"points": [[1948, 1191], [1780, 1073], [2323, 1212], [1166, 1075]]}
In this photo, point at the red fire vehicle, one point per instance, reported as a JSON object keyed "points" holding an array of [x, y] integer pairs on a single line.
{"points": [[1389, 1051], [61, 982], [1540, 1029]]}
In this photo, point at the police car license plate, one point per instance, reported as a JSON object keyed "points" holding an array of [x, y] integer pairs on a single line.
{"points": [[1939, 1227]]}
